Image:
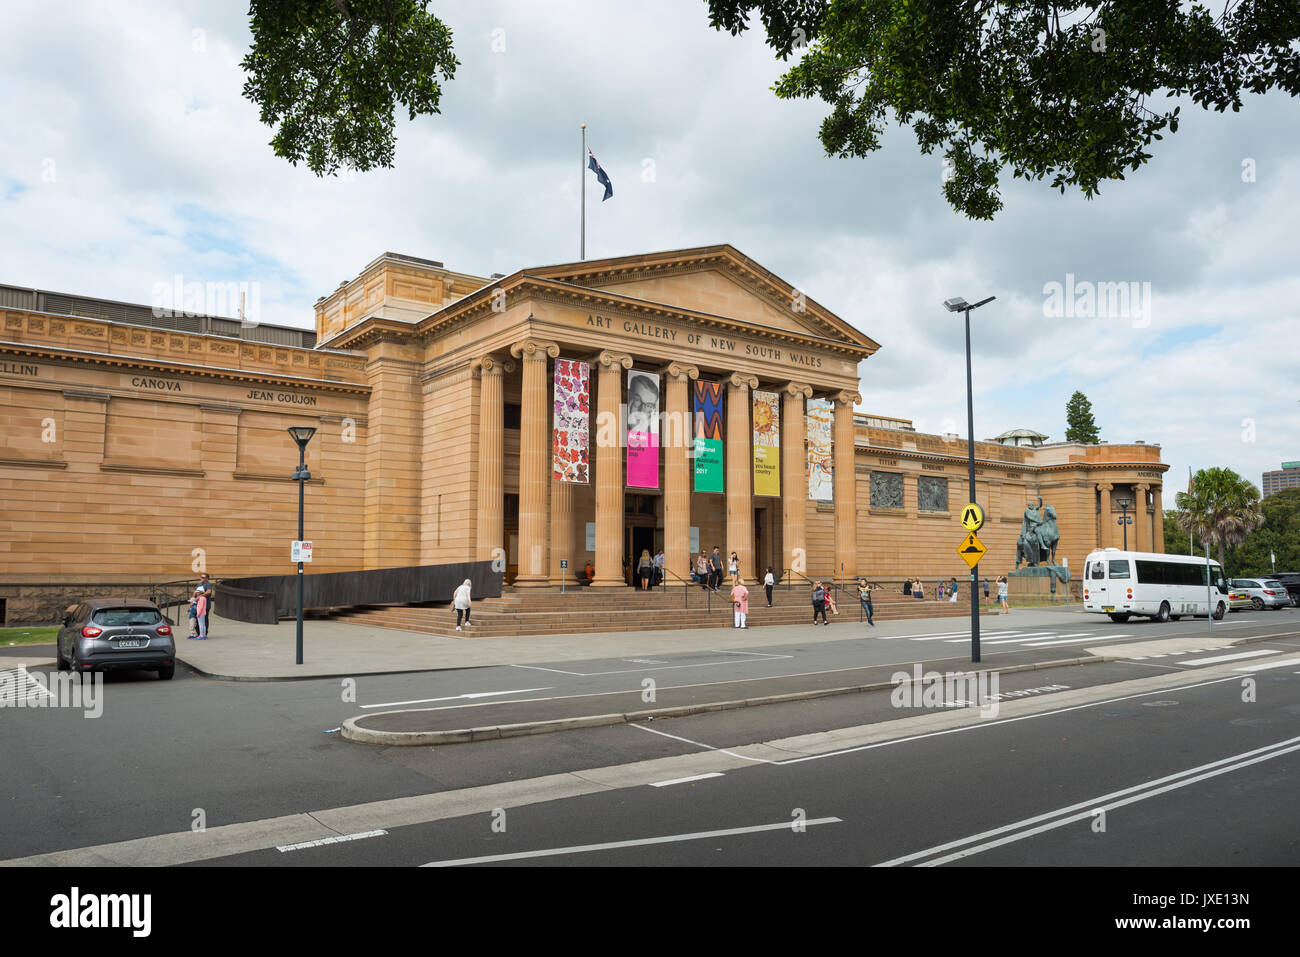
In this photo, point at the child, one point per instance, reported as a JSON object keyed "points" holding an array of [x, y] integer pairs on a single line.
{"points": [[200, 609], [194, 619]]}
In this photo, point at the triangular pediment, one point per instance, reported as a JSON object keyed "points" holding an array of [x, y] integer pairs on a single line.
{"points": [[718, 280]]}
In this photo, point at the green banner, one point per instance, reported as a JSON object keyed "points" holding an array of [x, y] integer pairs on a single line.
{"points": [[708, 465], [707, 452]]}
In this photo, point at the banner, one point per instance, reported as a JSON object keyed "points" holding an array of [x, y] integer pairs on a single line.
{"points": [[708, 436], [767, 443], [570, 460], [642, 429], [820, 418]]}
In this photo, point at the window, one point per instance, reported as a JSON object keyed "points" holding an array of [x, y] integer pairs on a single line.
{"points": [[126, 616], [1097, 571], [511, 415], [1119, 568]]}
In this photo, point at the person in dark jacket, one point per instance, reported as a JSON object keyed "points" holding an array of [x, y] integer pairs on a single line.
{"points": [[819, 594]]}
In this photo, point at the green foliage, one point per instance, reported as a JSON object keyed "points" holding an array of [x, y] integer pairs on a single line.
{"points": [[1045, 89], [1080, 425], [1176, 537], [1222, 508], [1280, 534], [331, 72]]}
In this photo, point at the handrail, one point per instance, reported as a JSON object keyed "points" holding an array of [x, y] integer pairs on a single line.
{"points": [[686, 585]]}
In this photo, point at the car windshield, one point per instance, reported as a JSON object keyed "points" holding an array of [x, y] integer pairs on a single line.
{"points": [[1271, 584], [126, 616]]}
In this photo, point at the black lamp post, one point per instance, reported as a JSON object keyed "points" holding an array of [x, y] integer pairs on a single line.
{"points": [[1124, 503], [302, 435], [961, 305]]}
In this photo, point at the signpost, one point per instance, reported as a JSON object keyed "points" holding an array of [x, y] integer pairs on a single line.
{"points": [[300, 552], [971, 551], [564, 566]]}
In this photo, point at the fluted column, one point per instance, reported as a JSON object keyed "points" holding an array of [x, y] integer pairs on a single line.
{"points": [[1140, 518], [609, 469], [1106, 536], [561, 537], [491, 467], [1157, 522], [794, 489], [846, 487], [534, 467], [678, 440], [740, 473]]}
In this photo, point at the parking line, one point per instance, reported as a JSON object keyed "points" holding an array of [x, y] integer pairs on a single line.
{"points": [[693, 777]]}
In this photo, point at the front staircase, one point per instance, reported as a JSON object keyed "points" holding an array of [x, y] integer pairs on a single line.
{"points": [[591, 610]]}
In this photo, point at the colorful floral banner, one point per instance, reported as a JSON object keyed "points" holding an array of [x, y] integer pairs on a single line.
{"points": [[767, 443], [708, 436], [570, 448], [820, 419], [642, 429]]}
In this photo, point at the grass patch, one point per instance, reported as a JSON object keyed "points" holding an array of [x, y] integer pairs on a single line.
{"points": [[27, 636]]}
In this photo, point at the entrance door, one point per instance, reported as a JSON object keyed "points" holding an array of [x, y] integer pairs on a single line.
{"points": [[636, 538]]}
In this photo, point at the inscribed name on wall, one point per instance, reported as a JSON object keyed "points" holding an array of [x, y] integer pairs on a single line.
{"points": [[724, 345]]}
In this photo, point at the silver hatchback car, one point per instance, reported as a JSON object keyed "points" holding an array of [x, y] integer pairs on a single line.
{"points": [[1264, 592], [116, 633]]}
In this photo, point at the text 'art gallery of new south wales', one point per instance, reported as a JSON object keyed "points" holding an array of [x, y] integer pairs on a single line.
{"points": [[579, 413]]}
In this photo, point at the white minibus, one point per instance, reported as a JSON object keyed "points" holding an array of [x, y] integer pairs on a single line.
{"points": [[1163, 587]]}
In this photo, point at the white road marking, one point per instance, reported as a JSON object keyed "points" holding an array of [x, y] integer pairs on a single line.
{"points": [[693, 777], [626, 671], [706, 747], [455, 697], [1217, 658], [19, 683], [1105, 802], [1057, 641], [1269, 664], [612, 845], [342, 838], [1015, 638]]}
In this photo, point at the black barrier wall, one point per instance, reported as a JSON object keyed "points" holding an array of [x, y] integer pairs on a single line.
{"points": [[379, 586]]}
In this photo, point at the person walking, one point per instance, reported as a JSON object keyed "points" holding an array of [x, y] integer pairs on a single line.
{"points": [[864, 596], [907, 588], [1003, 588], [460, 600], [769, 581], [201, 611], [702, 570], [740, 602], [952, 590], [659, 568], [819, 603], [733, 567], [986, 589], [645, 567], [715, 568]]}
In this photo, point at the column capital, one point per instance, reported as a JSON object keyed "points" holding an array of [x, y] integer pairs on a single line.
{"points": [[1144, 487], [492, 365], [846, 398], [1105, 486], [610, 359], [535, 349], [742, 380], [797, 389], [681, 371]]}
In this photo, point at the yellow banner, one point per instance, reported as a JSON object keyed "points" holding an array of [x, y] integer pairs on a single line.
{"points": [[767, 443]]}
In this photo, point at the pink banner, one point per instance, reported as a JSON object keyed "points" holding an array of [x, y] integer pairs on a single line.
{"points": [[642, 429], [569, 453]]}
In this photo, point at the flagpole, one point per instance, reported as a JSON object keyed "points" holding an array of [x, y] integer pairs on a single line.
{"points": [[582, 242]]}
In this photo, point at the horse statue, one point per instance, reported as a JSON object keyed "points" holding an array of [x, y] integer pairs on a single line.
{"points": [[1039, 536]]}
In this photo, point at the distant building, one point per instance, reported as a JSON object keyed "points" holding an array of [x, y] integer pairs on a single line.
{"points": [[1288, 476], [1021, 438]]}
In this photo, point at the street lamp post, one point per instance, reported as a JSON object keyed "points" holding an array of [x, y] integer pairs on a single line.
{"points": [[1124, 503], [960, 305], [302, 435]]}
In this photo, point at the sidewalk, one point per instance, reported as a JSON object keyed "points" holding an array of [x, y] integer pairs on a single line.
{"points": [[243, 652]]}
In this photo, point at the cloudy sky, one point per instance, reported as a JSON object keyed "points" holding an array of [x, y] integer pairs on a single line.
{"points": [[130, 156]]}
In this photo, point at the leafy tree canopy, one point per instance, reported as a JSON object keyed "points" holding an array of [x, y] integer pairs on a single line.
{"points": [[1278, 535], [1080, 425], [1222, 508], [1046, 89], [329, 75]]}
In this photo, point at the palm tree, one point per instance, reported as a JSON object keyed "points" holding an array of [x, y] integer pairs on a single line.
{"points": [[1221, 507]]}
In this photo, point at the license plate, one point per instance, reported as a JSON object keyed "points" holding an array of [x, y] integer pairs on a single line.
{"points": [[1107, 607], [132, 643]]}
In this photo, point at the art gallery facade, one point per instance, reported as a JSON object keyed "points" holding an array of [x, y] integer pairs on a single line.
{"points": [[463, 418]]}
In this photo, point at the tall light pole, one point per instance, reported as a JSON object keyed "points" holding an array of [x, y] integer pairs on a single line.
{"points": [[302, 435], [1124, 502], [961, 305]]}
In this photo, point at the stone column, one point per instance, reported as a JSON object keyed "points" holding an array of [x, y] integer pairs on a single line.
{"points": [[846, 488], [609, 469], [678, 439], [1106, 536], [1157, 522], [534, 464], [740, 474], [562, 531], [491, 460], [794, 487], [1140, 518]]}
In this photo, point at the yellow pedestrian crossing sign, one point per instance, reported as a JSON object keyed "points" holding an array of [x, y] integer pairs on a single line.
{"points": [[972, 517], [972, 550]]}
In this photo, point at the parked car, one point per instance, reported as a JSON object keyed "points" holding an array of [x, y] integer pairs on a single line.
{"points": [[111, 633], [1291, 581], [1264, 592], [1239, 598]]}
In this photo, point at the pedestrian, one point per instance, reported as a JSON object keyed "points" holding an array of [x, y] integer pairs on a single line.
{"points": [[918, 591], [940, 586], [819, 603], [205, 585], [952, 590], [733, 567], [715, 568], [740, 602], [864, 596], [986, 589], [769, 581], [644, 569], [201, 612], [194, 618], [461, 602], [907, 588], [830, 601], [1003, 587], [659, 567], [589, 573], [702, 570]]}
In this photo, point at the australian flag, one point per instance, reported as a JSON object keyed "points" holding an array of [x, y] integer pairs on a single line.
{"points": [[601, 176]]}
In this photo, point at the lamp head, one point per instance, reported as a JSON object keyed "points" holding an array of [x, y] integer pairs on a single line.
{"points": [[301, 434], [956, 304]]}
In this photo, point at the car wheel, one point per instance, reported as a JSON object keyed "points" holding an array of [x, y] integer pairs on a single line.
{"points": [[58, 656], [1163, 613], [1219, 612], [75, 665], [1120, 618], [1258, 603], [165, 673], [1174, 617]]}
